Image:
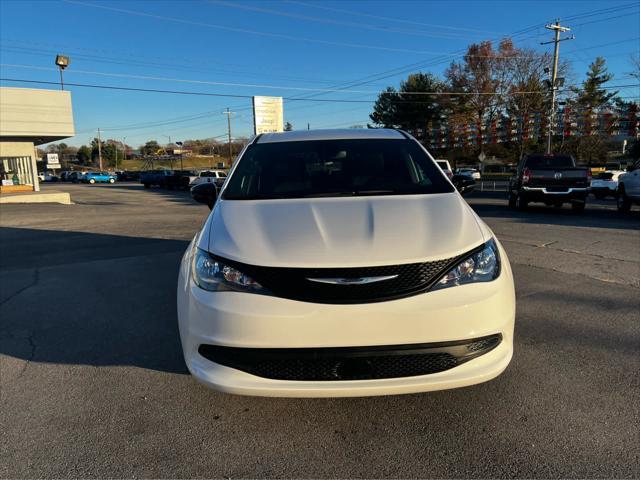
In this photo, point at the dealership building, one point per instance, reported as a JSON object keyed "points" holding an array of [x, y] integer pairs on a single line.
{"points": [[28, 118]]}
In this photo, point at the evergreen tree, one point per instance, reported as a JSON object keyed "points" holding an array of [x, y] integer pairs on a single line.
{"points": [[592, 94]]}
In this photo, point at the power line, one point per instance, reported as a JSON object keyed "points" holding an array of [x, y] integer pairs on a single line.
{"points": [[600, 11], [294, 99], [380, 17], [163, 66], [251, 32], [331, 21]]}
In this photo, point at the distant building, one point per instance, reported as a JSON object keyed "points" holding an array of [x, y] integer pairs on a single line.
{"points": [[180, 151], [30, 117]]}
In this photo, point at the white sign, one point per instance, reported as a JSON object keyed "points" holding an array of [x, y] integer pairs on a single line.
{"points": [[267, 115], [52, 160], [7, 183]]}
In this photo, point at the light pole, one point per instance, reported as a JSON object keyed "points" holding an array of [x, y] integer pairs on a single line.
{"points": [[180, 145], [165, 150], [62, 62]]}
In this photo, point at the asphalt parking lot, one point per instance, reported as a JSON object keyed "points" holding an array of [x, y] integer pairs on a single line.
{"points": [[93, 383]]}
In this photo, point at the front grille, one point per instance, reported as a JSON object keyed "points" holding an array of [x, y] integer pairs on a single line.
{"points": [[293, 283], [352, 363]]}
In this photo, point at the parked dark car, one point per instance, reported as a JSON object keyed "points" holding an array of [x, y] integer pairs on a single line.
{"points": [[155, 177], [75, 177], [205, 193], [128, 176], [464, 183], [179, 180], [549, 179]]}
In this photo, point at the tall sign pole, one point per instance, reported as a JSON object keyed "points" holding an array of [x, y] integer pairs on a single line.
{"points": [[557, 28], [100, 149], [228, 113]]}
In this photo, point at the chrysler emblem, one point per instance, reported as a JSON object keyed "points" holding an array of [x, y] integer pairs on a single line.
{"points": [[352, 281], [557, 176]]}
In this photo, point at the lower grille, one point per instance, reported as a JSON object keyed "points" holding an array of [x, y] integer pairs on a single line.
{"points": [[350, 363]]}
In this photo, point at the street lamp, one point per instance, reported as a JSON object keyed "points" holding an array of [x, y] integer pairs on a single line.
{"points": [[165, 150], [62, 62]]}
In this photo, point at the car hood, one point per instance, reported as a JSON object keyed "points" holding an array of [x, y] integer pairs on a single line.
{"points": [[342, 232]]}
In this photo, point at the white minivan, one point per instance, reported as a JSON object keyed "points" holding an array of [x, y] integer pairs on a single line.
{"points": [[343, 263]]}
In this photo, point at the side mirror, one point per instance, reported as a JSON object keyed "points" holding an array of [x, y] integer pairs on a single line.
{"points": [[205, 193]]}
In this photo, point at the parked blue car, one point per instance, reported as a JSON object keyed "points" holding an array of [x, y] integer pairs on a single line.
{"points": [[96, 177]]}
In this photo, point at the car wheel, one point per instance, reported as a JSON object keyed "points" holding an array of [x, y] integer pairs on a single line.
{"points": [[92, 180], [146, 185], [623, 202], [577, 206], [512, 200], [521, 203], [111, 180]]}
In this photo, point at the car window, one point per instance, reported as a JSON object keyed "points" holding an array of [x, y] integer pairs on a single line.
{"points": [[551, 161], [605, 176], [442, 165], [331, 168], [207, 174], [222, 175]]}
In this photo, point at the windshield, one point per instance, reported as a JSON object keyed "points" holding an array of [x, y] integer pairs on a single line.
{"points": [[333, 168], [551, 161]]}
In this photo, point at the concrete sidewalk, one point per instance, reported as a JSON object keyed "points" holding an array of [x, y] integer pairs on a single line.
{"points": [[36, 197]]}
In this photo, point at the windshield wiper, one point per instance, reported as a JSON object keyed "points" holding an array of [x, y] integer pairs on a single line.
{"points": [[373, 192], [347, 193]]}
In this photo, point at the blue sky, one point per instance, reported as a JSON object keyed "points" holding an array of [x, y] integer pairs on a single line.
{"points": [[281, 48]]}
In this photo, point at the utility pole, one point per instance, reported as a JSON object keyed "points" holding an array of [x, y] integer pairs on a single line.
{"points": [[554, 74], [100, 149], [124, 148], [228, 114]]}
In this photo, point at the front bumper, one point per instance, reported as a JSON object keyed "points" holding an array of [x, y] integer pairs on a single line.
{"points": [[251, 321]]}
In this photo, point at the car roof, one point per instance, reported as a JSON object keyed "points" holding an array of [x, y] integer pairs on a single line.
{"points": [[335, 134]]}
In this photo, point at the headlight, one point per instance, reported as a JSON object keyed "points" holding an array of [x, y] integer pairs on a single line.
{"points": [[482, 266], [212, 275]]}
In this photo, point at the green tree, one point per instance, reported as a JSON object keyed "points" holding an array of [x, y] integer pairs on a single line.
{"points": [[592, 94], [150, 148], [84, 155], [288, 127], [412, 107], [385, 110], [593, 145]]}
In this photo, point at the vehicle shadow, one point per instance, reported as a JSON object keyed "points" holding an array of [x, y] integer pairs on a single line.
{"points": [[597, 214], [182, 196], [90, 299]]}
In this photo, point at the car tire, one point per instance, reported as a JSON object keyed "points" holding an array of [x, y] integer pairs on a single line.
{"points": [[111, 180], [623, 203], [146, 185], [512, 200], [521, 203], [577, 206], [91, 180]]}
